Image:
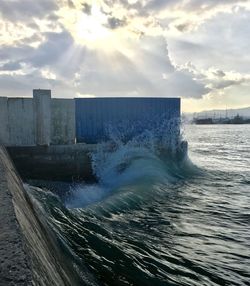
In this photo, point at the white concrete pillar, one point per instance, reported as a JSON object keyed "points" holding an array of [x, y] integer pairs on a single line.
{"points": [[42, 114], [4, 124]]}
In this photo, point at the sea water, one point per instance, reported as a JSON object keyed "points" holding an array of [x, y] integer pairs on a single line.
{"points": [[151, 220]]}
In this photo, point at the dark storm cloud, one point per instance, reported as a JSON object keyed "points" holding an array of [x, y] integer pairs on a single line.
{"points": [[26, 9]]}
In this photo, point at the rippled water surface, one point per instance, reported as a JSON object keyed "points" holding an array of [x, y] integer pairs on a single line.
{"points": [[157, 223]]}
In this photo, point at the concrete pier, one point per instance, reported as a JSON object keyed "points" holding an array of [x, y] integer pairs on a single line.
{"points": [[40, 120], [20, 121], [4, 129], [42, 114], [56, 163], [63, 122]]}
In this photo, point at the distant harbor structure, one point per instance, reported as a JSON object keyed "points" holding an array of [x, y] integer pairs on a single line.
{"points": [[215, 119]]}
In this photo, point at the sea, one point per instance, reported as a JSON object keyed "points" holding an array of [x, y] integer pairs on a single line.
{"points": [[150, 220]]}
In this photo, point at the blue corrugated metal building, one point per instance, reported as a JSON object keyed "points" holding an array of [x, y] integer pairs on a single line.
{"points": [[93, 115]]}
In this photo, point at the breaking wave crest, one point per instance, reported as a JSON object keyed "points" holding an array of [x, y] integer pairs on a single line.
{"points": [[157, 154]]}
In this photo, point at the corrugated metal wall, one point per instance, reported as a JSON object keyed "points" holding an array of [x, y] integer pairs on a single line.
{"points": [[93, 115]]}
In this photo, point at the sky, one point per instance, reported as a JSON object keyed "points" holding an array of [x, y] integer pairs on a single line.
{"points": [[194, 49]]}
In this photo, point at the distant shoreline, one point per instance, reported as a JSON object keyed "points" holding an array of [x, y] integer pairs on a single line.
{"points": [[220, 123], [236, 120]]}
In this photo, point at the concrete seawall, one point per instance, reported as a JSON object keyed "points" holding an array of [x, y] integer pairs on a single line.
{"points": [[56, 163], [29, 254], [40, 120], [44, 121], [15, 268]]}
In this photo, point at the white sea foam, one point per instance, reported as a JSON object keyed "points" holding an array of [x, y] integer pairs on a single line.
{"points": [[131, 155]]}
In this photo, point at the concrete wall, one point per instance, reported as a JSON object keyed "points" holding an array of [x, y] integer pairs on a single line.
{"points": [[63, 121], [42, 116], [20, 122], [4, 132], [61, 163], [38, 121]]}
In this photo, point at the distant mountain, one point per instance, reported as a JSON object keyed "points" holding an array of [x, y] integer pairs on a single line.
{"points": [[218, 113]]}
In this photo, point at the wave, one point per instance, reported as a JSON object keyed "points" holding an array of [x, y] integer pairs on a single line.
{"points": [[153, 218], [125, 162]]}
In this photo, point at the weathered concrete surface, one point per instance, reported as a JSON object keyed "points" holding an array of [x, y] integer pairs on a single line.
{"points": [[37, 121], [58, 163], [63, 121], [20, 121], [29, 251], [14, 262], [42, 112], [4, 132]]}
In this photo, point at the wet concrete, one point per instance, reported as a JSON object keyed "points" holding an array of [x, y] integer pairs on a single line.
{"points": [[29, 251], [55, 162], [14, 262]]}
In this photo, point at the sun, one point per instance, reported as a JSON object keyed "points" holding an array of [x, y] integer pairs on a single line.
{"points": [[90, 28], [93, 30], [87, 29]]}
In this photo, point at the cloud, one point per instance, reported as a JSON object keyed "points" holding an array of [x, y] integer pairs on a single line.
{"points": [[51, 50], [221, 43], [25, 10], [11, 66], [199, 5], [216, 80], [8, 52], [148, 72], [49, 53], [190, 49], [71, 4], [70, 69], [219, 73], [86, 8], [114, 23]]}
